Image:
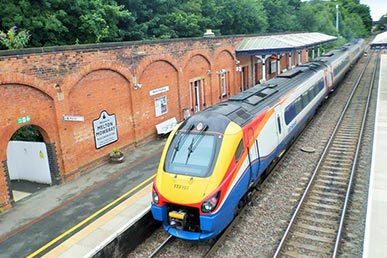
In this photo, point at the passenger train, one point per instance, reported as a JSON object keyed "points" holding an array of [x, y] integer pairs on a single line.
{"points": [[213, 159]]}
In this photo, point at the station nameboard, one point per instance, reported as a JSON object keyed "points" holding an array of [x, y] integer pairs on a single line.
{"points": [[105, 129], [73, 118]]}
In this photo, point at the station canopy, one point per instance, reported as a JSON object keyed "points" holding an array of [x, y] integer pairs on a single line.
{"points": [[281, 43], [380, 41]]}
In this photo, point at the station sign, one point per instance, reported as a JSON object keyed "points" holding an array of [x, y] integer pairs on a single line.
{"points": [[73, 118], [158, 91], [105, 129]]}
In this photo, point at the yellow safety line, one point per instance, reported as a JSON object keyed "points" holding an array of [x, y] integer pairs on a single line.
{"points": [[88, 218]]}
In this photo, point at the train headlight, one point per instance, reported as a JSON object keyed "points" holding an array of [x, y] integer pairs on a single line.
{"points": [[155, 196], [210, 204]]}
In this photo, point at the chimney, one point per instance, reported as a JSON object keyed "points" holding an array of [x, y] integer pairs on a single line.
{"points": [[209, 34]]}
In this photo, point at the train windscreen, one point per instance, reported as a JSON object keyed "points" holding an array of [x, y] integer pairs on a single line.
{"points": [[191, 154]]}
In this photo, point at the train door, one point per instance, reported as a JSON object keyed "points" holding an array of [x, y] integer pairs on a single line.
{"points": [[279, 124], [328, 74], [253, 157]]}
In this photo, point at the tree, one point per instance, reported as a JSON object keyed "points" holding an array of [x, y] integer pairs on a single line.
{"points": [[241, 17], [59, 22], [282, 15], [14, 39]]}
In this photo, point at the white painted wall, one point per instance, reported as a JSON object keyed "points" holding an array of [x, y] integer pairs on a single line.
{"points": [[28, 161]]}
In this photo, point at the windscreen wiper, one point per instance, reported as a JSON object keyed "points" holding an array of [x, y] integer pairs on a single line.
{"points": [[195, 142], [182, 138]]}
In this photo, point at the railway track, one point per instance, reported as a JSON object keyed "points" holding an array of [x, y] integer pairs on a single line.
{"points": [[209, 247], [261, 218], [316, 226]]}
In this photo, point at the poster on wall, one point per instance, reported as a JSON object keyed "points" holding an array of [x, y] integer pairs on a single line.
{"points": [[161, 106], [105, 129]]}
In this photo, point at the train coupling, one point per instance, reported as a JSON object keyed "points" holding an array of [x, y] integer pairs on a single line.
{"points": [[177, 219]]}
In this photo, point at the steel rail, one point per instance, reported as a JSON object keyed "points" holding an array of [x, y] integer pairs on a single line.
{"points": [[307, 189], [161, 246], [354, 164]]}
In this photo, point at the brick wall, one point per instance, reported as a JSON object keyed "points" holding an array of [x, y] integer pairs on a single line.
{"points": [[84, 80]]}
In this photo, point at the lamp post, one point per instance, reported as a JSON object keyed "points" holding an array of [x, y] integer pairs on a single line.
{"points": [[337, 17]]}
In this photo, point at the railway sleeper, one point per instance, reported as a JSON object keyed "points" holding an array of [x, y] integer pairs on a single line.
{"points": [[314, 235], [317, 228], [327, 221], [332, 182], [335, 178], [324, 207], [311, 245], [319, 213]]}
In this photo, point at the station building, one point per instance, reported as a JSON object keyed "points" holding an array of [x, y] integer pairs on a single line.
{"points": [[86, 100]]}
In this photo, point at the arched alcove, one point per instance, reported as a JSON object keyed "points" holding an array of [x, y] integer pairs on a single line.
{"points": [[27, 162]]}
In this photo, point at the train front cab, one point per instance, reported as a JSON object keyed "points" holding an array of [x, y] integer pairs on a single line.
{"points": [[195, 206]]}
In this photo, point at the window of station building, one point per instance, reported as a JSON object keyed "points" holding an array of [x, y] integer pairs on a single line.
{"points": [[273, 66], [223, 84], [161, 106]]}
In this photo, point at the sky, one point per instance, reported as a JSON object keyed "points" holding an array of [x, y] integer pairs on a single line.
{"points": [[377, 7]]}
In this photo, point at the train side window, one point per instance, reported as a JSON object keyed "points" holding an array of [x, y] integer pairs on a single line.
{"points": [[239, 151], [305, 99], [290, 113], [316, 90], [321, 84], [311, 94], [298, 105]]}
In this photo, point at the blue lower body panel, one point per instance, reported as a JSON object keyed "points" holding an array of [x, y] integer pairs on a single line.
{"points": [[210, 225]]}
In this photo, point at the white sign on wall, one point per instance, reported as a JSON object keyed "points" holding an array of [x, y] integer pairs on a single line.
{"points": [[158, 91], [105, 129], [73, 118]]}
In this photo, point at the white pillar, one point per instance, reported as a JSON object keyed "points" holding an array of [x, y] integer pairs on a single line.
{"points": [[290, 61], [264, 69], [263, 59]]}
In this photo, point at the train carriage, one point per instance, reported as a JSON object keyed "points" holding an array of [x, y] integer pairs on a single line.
{"points": [[212, 159]]}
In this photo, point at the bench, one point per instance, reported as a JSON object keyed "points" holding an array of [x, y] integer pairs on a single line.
{"points": [[166, 126]]}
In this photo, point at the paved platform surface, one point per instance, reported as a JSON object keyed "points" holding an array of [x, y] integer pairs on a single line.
{"points": [[39, 223], [375, 241]]}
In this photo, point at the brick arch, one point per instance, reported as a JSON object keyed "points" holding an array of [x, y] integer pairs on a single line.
{"points": [[29, 81], [100, 87], [196, 66], [31, 102], [221, 50], [71, 80], [201, 53], [146, 62], [22, 100], [226, 60], [155, 74]]}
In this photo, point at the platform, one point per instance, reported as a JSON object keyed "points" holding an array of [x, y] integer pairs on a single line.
{"points": [[82, 217], [375, 240]]}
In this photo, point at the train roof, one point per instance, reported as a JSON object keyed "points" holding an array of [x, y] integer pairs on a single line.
{"points": [[247, 105]]}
